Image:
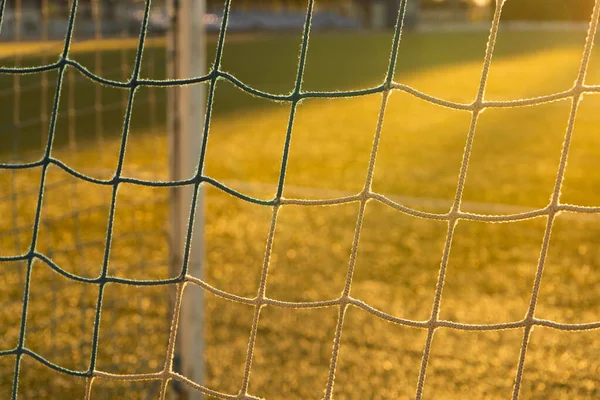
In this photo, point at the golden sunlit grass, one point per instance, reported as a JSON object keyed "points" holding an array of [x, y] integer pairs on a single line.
{"points": [[491, 267]]}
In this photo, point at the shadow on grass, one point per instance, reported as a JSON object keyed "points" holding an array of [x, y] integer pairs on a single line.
{"points": [[335, 61]]}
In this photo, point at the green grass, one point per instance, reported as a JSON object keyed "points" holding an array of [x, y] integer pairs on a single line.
{"points": [[491, 267]]}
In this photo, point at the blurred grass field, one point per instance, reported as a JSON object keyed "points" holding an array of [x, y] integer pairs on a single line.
{"points": [[491, 268]]}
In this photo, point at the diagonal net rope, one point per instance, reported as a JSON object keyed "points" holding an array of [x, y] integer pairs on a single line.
{"points": [[294, 98]]}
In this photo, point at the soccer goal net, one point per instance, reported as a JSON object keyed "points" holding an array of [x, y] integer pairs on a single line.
{"points": [[83, 129], [87, 261]]}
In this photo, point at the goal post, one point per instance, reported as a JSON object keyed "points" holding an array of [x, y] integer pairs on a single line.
{"points": [[187, 58]]}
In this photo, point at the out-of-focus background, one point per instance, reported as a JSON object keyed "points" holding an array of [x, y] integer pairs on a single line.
{"points": [[491, 266]]}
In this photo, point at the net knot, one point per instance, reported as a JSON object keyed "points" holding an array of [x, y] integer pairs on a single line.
{"points": [[296, 96], [477, 105], [246, 396], [133, 82]]}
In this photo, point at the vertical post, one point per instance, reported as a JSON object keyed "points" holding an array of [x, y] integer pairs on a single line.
{"points": [[187, 58]]}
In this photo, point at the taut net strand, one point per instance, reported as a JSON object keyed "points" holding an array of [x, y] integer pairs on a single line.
{"points": [[345, 299]]}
